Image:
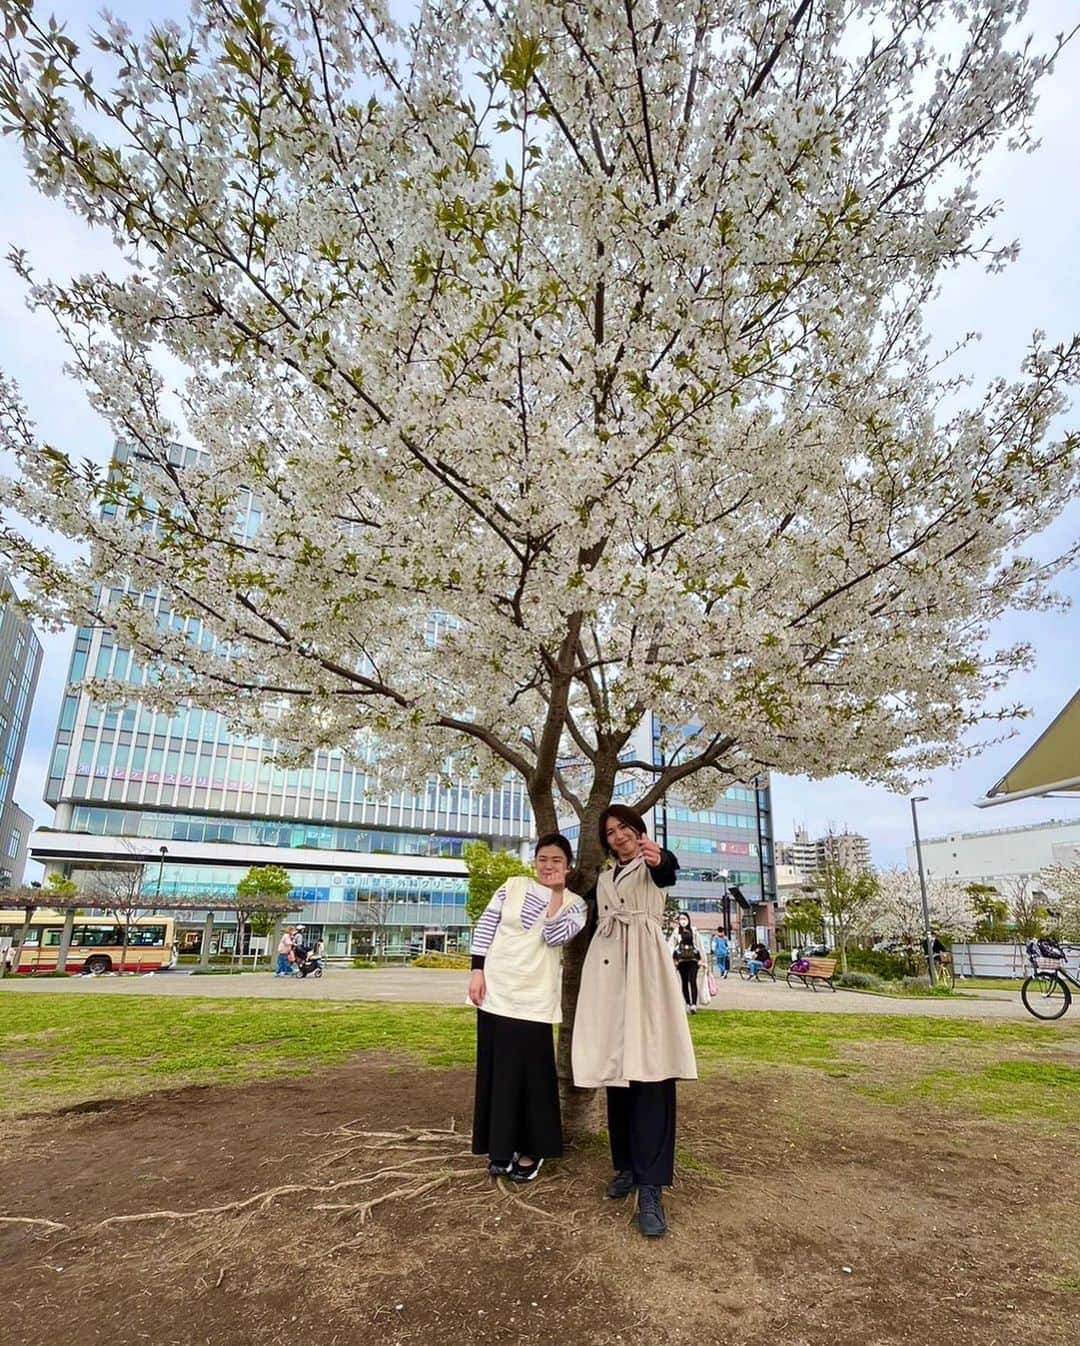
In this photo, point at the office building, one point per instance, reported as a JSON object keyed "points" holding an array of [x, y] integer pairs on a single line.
{"points": [[20, 664]]}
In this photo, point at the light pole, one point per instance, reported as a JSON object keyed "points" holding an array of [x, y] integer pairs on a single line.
{"points": [[164, 850], [726, 902], [928, 938]]}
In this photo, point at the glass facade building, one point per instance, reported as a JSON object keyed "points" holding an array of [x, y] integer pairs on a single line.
{"points": [[20, 664], [199, 805]]}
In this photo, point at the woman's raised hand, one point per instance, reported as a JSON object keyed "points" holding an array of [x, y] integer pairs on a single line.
{"points": [[650, 851]]}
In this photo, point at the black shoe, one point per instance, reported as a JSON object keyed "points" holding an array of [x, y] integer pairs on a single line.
{"points": [[521, 1174], [621, 1185], [650, 1218], [499, 1168]]}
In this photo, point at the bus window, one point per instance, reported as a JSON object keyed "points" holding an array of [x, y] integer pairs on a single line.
{"points": [[96, 936], [50, 939], [146, 936]]}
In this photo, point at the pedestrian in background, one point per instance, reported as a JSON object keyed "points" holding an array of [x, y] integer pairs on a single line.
{"points": [[285, 953], [688, 956], [721, 953]]}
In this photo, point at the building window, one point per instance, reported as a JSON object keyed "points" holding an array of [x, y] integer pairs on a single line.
{"points": [[14, 842], [12, 682]]}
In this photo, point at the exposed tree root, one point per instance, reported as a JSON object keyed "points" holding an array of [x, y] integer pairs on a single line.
{"points": [[26, 1219]]}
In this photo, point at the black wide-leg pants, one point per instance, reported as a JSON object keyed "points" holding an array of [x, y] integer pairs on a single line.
{"points": [[641, 1126], [516, 1109]]}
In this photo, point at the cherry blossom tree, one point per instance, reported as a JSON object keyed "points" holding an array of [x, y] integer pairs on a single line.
{"points": [[566, 362], [898, 912], [1063, 883]]}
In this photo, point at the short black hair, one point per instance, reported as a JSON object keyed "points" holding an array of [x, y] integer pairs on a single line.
{"points": [[624, 814], [554, 839]]}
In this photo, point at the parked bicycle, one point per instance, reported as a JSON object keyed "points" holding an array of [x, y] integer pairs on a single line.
{"points": [[944, 969], [1046, 991]]}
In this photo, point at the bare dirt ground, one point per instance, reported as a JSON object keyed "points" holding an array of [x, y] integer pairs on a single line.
{"points": [[803, 1214]]}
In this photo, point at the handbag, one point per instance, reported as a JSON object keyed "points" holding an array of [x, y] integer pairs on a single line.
{"points": [[711, 981]]}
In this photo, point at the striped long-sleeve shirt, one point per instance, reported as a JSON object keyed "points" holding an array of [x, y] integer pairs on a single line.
{"points": [[558, 929]]}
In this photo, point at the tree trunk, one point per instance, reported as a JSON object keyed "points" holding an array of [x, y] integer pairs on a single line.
{"points": [[582, 1109]]}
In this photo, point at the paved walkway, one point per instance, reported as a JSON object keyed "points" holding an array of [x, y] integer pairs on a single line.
{"points": [[435, 987]]}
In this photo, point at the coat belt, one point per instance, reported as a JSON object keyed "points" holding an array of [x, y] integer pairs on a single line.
{"points": [[627, 918]]}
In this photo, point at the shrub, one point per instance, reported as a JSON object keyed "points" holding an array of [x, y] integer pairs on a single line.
{"points": [[363, 963], [458, 962], [860, 981], [888, 966], [916, 984]]}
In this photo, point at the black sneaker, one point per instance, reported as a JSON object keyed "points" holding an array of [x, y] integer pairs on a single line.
{"points": [[621, 1185], [521, 1174], [499, 1168], [651, 1219]]}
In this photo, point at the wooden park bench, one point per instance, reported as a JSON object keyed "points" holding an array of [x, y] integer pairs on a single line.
{"points": [[820, 971], [747, 975]]}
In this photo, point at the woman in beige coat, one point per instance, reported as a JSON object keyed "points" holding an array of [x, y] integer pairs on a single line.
{"points": [[630, 1030]]}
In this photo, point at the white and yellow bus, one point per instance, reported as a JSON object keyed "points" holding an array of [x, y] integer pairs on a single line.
{"points": [[97, 943]]}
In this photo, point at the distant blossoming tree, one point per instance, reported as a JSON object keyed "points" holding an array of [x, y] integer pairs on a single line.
{"points": [[898, 912], [570, 359], [1063, 882]]}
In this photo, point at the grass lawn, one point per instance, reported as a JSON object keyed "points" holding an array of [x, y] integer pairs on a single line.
{"points": [[58, 1050]]}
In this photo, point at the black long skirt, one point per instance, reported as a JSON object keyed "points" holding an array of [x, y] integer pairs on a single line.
{"points": [[517, 1090]]}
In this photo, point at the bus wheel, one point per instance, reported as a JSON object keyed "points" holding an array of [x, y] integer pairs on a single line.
{"points": [[98, 965]]}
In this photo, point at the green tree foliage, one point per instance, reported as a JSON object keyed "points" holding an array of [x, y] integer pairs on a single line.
{"points": [[991, 913], [60, 887], [262, 896], [802, 917], [848, 904], [488, 871]]}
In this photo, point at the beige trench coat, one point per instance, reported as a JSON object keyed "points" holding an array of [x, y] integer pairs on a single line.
{"points": [[630, 1022]]}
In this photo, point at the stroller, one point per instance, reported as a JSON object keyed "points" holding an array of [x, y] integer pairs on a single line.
{"points": [[310, 965]]}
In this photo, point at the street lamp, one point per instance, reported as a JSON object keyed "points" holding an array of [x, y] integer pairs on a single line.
{"points": [[164, 850], [928, 938], [726, 902]]}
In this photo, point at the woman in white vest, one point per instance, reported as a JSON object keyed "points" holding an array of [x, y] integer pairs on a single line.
{"points": [[516, 988], [630, 1030]]}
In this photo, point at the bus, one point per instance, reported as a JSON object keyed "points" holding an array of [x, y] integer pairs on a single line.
{"points": [[96, 943]]}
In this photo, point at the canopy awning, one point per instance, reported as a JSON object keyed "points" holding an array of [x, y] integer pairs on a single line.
{"points": [[1050, 766]]}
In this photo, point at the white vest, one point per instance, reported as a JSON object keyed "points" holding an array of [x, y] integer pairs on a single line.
{"points": [[523, 975]]}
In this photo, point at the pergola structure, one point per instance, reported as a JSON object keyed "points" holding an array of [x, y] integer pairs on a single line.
{"points": [[1051, 766], [28, 900]]}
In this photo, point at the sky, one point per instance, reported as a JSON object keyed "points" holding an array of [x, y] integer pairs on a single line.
{"points": [[1041, 290]]}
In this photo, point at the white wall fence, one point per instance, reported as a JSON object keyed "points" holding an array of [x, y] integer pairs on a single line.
{"points": [[989, 960]]}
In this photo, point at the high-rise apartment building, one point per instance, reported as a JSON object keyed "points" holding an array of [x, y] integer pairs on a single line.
{"points": [[20, 663], [848, 850]]}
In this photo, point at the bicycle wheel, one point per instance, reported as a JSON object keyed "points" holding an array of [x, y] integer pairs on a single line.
{"points": [[946, 973], [1046, 995]]}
